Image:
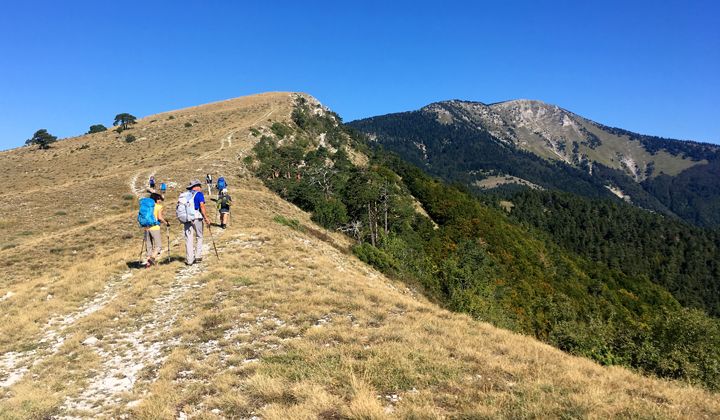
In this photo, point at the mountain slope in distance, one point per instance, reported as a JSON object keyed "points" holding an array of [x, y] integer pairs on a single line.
{"points": [[543, 145]]}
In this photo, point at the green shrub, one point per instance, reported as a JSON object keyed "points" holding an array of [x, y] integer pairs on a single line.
{"points": [[129, 138], [97, 128], [330, 213], [291, 223], [280, 130], [376, 257]]}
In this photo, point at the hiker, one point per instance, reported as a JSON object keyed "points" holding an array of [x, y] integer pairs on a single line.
{"points": [[208, 182], [163, 188], [223, 205], [221, 185], [152, 181], [153, 242], [191, 212]]}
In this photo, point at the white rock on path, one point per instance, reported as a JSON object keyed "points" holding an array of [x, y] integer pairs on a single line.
{"points": [[90, 341]]}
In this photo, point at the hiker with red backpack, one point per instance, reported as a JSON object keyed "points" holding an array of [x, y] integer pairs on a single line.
{"points": [[151, 217], [191, 212]]}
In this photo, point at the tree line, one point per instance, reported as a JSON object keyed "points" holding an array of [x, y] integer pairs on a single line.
{"points": [[43, 139]]}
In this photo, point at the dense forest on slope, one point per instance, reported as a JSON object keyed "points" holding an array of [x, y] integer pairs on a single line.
{"points": [[693, 194], [682, 258], [463, 154], [472, 258], [653, 144]]}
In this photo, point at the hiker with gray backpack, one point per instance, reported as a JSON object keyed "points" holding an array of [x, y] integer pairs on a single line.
{"points": [[150, 217], [191, 212], [223, 205]]}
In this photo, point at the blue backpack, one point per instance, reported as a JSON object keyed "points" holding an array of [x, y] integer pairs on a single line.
{"points": [[221, 184], [146, 215]]}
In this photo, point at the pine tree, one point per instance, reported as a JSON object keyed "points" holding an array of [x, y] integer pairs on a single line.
{"points": [[42, 138], [124, 120]]}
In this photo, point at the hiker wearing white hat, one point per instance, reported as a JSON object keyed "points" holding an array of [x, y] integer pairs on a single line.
{"points": [[191, 211]]}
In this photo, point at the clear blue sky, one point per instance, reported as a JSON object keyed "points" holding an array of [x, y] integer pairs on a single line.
{"points": [[646, 66]]}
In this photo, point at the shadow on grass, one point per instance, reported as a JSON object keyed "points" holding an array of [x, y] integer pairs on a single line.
{"points": [[134, 265], [172, 259]]}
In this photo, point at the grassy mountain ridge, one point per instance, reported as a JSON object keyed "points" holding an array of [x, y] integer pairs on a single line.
{"points": [[287, 324]]}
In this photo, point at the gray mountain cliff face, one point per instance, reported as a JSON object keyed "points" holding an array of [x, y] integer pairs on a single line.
{"points": [[554, 133]]}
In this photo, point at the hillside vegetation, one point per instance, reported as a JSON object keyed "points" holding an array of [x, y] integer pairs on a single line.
{"points": [[287, 323], [475, 260], [684, 259]]}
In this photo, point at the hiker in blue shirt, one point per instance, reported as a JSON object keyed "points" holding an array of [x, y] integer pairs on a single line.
{"points": [[194, 228]]}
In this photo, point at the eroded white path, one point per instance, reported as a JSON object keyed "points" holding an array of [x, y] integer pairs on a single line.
{"points": [[138, 191], [127, 355], [15, 364]]}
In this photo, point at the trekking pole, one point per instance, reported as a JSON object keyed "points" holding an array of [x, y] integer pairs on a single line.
{"points": [[143, 245], [213, 242], [167, 230]]}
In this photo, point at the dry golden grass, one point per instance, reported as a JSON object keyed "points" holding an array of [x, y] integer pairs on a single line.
{"points": [[286, 325]]}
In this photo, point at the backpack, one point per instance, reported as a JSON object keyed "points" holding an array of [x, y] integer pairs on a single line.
{"points": [[224, 202], [146, 214], [185, 209], [221, 185]]}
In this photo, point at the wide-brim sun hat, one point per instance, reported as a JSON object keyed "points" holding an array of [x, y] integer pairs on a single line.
{"points": [[193, 183]]}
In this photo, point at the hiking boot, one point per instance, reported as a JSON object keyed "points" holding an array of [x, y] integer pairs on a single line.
{"points": [[198, 260]]}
